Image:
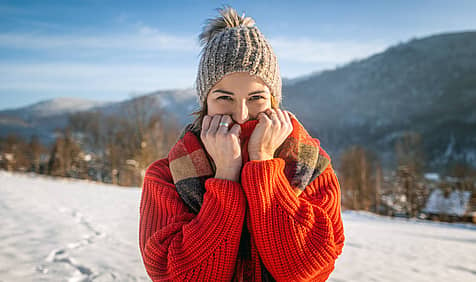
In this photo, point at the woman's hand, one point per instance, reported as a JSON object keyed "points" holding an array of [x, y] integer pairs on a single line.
{"points": [[223, 145], [274, 126]]}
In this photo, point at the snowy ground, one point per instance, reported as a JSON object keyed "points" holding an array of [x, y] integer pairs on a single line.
{"points": [[67, 230]]}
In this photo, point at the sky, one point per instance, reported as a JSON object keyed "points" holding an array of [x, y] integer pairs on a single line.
{"points": [[111, 50]]}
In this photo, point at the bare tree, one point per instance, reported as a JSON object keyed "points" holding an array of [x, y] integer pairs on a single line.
{"points": [[65, 155], [357, 185], [14, 155], [378, 187], [410, 165], [34, 153], [124, 144], [150, 135]]}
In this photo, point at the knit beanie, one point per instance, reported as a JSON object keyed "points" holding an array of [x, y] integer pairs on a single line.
{"points": [[231, 43]]}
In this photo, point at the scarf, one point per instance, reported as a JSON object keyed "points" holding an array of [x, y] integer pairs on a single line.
{"points": [[190, 166]]}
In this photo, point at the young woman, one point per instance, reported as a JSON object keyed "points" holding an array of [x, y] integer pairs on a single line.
{"points": [[245, 194]]}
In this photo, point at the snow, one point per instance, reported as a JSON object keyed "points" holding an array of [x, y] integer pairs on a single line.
{"points": [[432, 176], [450, 148], [456, 203], [63, 105], [67, 230], [55, 229]]}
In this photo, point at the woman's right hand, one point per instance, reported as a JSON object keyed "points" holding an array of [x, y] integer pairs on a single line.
{"points": [[223, 145]]}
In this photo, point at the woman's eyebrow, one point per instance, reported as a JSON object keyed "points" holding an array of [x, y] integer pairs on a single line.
{"points": [[257, 92], [231, 93], [223, 91]]}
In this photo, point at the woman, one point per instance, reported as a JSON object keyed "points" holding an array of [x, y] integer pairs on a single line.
{"points": [[245, 194]]}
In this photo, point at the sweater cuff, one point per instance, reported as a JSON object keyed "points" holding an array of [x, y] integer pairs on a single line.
{"points": [[221, 217], [227, 192], [265, 182]]}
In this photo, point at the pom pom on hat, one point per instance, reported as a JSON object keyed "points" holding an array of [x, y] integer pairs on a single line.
{"points": [[229, 18]]}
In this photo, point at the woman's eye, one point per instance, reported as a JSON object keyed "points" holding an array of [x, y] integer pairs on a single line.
{"points": [[256, 97], [226, 98]]}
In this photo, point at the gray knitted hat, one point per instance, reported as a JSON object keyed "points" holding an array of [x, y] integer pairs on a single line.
{"points": [[231, 43]]}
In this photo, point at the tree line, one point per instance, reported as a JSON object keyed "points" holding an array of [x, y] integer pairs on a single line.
{"points": [[112, 148], [403, 190], [117, 148]]}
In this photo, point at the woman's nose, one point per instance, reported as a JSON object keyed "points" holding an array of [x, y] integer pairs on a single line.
{"points": [[241, 113]]}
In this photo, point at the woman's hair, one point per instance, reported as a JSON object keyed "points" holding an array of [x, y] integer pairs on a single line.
{"points": [[232, 43]]}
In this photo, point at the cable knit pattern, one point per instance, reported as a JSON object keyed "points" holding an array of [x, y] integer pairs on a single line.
{"points": [[175, 244], [298, 238]]}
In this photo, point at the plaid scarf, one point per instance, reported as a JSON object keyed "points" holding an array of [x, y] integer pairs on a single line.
{"points": [[190, 166]]}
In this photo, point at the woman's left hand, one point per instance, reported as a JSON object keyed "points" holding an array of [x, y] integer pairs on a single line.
{"points": [[274, 126]]}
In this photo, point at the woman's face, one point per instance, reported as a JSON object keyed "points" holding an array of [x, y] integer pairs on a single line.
{"points": [[239, 95]]}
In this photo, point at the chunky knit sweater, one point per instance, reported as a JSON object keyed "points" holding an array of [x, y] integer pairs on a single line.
{"points": [[298, 238]]}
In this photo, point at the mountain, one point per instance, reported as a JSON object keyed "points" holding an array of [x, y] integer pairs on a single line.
{"points": [[53, 107], [425, 85], [43, 118]]}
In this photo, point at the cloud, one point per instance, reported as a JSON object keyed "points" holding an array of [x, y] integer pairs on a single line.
{"points": [[146, 38], [143, 39], [77, 77], [64, 72], [305, 50]]}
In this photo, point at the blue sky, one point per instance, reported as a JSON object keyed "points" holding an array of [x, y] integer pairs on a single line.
{"points": [[110, 50]]}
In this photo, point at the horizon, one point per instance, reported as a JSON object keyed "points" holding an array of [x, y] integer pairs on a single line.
{"points": [[97, 51]]}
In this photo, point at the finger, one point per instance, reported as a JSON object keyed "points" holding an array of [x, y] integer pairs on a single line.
{"points": [[273, 116], [287, 116], [291, 115], [227, 119], [205, 126], [214, 124], [205, 123], [281, 117], [222, 128], [235, 129], [264, 118]]}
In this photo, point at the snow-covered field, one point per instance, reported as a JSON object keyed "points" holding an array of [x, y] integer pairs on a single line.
{"points": [[72, 230]]}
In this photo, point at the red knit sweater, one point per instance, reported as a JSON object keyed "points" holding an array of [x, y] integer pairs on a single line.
{"points": [[298, 238]]}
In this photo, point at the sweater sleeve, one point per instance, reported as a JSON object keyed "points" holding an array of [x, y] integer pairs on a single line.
{"points": [[178, 245], [298, 237]]}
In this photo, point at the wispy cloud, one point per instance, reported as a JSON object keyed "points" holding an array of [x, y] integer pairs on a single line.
{"points": [[63, 72], [143, 39], [305, 50], [146, 38], [77, 77]]}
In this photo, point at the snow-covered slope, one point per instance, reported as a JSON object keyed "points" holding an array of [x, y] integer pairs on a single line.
{"points": [[44, 118], [73, 230], [67, 230], [53, 107], [385, 249]]}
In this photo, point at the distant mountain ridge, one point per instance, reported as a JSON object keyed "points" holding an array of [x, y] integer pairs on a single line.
{"points": [[53, 107], [426, 85], [43, 118]]}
